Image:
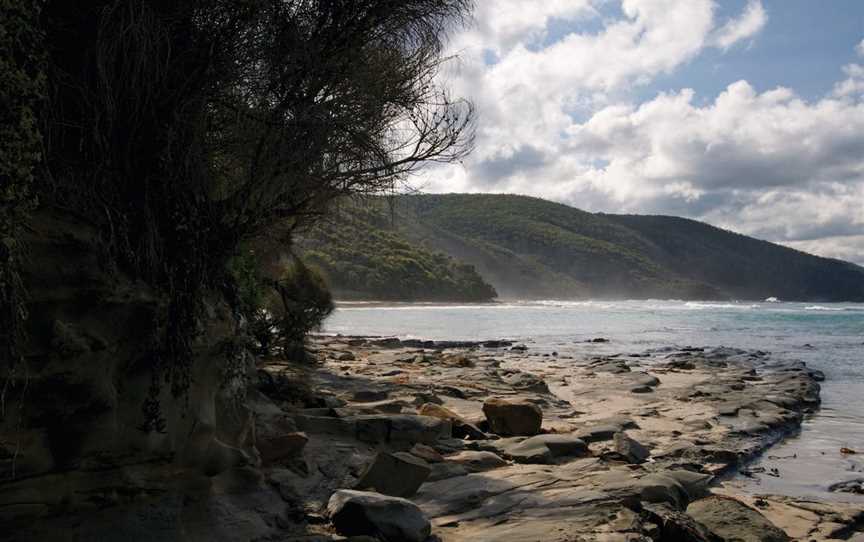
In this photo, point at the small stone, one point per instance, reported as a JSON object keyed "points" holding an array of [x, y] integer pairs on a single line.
{"points": [[359, 513], [513, 418], [398, 474]]}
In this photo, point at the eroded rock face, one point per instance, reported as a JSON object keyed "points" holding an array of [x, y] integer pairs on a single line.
{"points": [[513, 418], [357, 513], [88, 421]]}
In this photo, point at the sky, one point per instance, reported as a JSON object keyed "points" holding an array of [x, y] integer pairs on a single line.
{"points": [[746, 114]]}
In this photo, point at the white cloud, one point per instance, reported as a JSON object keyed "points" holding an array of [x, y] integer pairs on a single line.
{"points": [[854, 82], [746, 26], [558, 119], [860, 48]]}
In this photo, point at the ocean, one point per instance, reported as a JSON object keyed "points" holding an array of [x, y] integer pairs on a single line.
{"points": [[827, 336]]}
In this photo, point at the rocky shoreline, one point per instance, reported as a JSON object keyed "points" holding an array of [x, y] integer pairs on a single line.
{"points": [[419, 441], [490, 441]]}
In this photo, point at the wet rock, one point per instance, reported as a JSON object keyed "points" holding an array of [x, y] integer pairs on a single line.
{"points": [[392, 519], [513, 418], [398, 474], [497, 344], [543, 449], [460, 426], [519, 348], [630, 450], [849, 486], [732, 520], [477, 461]]}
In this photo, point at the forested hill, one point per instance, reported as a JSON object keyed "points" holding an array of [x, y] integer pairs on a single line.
{"points": [[531, 248], [363, 257]]}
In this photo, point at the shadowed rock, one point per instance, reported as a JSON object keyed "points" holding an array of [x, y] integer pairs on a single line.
{"points": [[358, 513], [513, 418], [399, 474], [733, 520]]}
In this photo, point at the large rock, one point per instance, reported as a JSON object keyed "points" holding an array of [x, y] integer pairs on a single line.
{"points": [[543, 449], [732, 520], [461, 427], [400, 428], [630, 450], [358, 513], [398, 474], [513, 418]]}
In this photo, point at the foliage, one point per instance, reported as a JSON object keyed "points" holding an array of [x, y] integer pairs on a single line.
{"points": [[282, 311], [364, 257], [21, 95], [184, 129]]}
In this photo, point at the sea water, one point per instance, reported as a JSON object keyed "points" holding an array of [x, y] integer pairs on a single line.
{"points": [[827, 336]]}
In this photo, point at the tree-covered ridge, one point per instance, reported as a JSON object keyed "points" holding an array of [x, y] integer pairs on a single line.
{"points": [[531, 248], [364, 258]]}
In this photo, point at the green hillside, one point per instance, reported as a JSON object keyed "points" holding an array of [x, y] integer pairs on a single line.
{"points": [[363, 258], [531, 248]]}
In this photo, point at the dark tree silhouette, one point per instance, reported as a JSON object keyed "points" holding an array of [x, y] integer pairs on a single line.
{"points": [[185, 128]]}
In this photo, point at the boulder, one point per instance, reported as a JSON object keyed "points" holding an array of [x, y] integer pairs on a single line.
{"points": [[630, 450], [733, 520], [543, 449], [513, 418], [392, 519], [398, 474], [400, 428], [477, 461], [460, 426]]}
